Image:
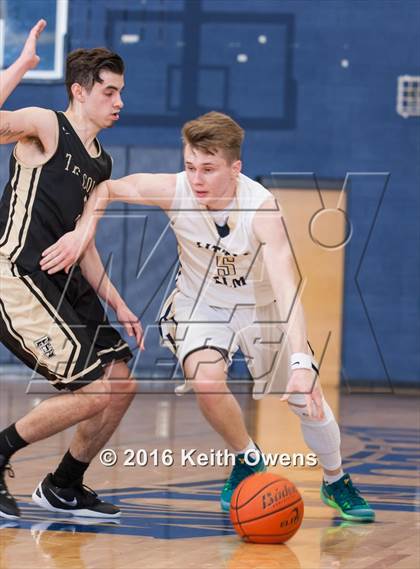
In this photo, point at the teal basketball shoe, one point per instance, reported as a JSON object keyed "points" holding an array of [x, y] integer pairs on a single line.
{"points": [[240, 471], [346, 498]]}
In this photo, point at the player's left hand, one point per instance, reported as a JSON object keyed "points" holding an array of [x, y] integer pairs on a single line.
{"points": [[304, 381], [64, 253], [28, 53], [131, 324]]}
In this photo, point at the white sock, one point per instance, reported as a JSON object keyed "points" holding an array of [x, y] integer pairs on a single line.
{"points": [[331, 478], [251, 446]]}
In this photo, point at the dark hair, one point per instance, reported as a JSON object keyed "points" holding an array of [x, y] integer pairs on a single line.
{"points": [[212, 132], [84, 66]]}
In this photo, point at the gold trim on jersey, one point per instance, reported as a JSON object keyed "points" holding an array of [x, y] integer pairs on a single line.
{"points": [[23, 196], [12, 203], [113, 349]]}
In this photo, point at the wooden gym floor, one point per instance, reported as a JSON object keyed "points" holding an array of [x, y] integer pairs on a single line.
{"points": [[171, 516]]}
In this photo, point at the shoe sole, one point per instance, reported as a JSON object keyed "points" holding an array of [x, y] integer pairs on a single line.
{"points": [[345, 516], [9, 516], [225, 506], [41, 501]]}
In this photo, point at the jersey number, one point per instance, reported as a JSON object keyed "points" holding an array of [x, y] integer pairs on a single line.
{"points": [[225, 266]]}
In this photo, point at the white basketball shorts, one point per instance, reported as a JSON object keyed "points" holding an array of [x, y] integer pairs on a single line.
{"points": [[187, 326]]}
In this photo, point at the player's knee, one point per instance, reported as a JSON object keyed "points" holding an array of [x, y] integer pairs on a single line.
{"points": [[123, 385], [100, 400], [130, 387], [205, 384], [96, 396], [208, 385], [124, 390]]}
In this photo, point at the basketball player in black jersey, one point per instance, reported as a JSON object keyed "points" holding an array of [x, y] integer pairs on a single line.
{"points": [[55, 323]]}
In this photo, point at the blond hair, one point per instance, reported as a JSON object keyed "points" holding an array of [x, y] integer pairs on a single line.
{"points": [[212, 132]]}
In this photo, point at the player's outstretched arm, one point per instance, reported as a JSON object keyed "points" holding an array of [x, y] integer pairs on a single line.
{"points": [[28, 59], [94, 272], [278, 260], [30, 122], [145, 189]]}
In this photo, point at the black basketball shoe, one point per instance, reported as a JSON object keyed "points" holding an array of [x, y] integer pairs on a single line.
{"points": [[8, 506], [77, 500]]}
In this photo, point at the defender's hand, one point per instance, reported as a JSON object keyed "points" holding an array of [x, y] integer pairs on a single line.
{"points": [[28, 53], [63, 253], [304, 381], [131, 324]]}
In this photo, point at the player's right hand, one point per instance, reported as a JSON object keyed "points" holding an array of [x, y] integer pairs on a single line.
{"points": [[64, 253], [305, 381], [28, 53], [131, 323]]}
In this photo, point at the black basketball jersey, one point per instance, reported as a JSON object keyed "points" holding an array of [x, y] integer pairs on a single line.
{"points": [[40, 204]]}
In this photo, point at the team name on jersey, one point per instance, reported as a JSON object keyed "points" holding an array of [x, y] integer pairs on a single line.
{"points": [[88, 183], [217, 249]]}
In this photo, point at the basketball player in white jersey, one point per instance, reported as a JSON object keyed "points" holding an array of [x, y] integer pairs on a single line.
{"points": [[235, 289]]}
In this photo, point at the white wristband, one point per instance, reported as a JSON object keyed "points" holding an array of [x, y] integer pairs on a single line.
{"points": [[300, 361]]}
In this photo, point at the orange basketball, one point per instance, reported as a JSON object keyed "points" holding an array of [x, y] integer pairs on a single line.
{"points": [[266, 508]]}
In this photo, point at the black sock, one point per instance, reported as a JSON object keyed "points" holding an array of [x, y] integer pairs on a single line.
{"points": [[69, 471], [10, 442]]}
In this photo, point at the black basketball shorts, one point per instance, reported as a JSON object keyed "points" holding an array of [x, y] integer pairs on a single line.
{"points": [[57, 326]]}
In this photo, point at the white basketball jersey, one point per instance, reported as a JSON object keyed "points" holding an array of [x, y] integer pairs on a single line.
{"points": [[221, 271]]}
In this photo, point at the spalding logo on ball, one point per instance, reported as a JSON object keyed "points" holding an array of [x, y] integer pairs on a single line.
{"points": [[266, 508]]}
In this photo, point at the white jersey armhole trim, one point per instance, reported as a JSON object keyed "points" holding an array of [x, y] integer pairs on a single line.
{"points": [[174, 208], [264, 196]]}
